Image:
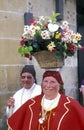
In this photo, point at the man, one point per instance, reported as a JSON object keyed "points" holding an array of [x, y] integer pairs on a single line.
{"points": [[29, 89]]}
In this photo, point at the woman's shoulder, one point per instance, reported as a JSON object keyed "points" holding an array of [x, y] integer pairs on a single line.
{"points": [[73, 103]]}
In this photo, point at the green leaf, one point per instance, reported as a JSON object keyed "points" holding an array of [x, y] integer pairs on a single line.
{"points": [[21, 50], [53, 18], [25, 50], [28, 49]]}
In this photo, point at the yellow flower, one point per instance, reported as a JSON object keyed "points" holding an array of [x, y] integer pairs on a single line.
{"points": [[57, 35], [76, 37], [51, 46]]}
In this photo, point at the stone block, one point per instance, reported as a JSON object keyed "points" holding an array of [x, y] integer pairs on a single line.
{"points": [[9, 28], [9, 52], [10, 83], [3, 102], [11, 5]]}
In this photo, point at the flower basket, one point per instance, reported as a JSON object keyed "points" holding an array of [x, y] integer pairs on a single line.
{"points": [[47, 59], [46, 39]]}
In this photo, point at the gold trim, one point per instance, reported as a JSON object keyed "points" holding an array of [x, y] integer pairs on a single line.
{"points": [[49, 119], [31, 113], [67, 110]]}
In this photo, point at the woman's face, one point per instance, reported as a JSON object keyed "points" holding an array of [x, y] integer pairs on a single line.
{"points": [[27, 80], [50, 87]]}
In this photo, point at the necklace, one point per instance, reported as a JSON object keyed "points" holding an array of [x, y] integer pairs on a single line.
{"points": [[43, 117], [50, 105], [22, 95], [30, 93]]}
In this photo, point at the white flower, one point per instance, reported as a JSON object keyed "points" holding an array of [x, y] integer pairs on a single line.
{"points": [[26, 27], [41, 18], [45, 34], [65, 25], [53, 27]]}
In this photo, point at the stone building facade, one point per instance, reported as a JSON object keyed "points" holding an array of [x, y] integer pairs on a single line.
{"points": [[11, 28]]}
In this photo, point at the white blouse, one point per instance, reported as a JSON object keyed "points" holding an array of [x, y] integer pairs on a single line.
{"points": [[22, 95]]}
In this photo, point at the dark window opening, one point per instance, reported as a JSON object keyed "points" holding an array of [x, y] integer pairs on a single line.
{"points": [[80, 29]]}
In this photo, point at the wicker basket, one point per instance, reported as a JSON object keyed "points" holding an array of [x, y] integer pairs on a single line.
{"points": [[47, 59]]}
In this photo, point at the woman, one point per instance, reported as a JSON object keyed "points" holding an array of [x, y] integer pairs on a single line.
{"points": [[29, 89], [50, 110]]}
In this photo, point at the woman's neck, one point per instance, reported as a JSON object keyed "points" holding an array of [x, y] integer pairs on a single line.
{"points": [[51, 97]]}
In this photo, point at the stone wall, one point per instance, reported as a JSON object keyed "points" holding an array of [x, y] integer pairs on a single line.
{"points": [[11, 28], [69, 71]]}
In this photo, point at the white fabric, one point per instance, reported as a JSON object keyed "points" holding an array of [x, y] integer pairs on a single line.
{"points": [[50, 104], [22, 95]]}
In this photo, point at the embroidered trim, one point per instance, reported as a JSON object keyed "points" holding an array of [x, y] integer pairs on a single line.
{"points": [[41, 126], [31, 113], [67, 110], [49, 120]]}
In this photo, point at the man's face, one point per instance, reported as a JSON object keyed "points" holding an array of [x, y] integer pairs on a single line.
{"points": [[27, 80]]}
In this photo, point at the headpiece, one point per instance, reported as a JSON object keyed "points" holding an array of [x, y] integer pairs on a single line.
{"points": [[30, 69], [54, 74]]}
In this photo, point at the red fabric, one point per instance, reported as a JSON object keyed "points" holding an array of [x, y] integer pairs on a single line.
{"points": [[54, 74], [68, 115]]}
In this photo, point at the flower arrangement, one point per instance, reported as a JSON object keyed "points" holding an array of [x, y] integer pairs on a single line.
{"points": [[45, 33]]}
